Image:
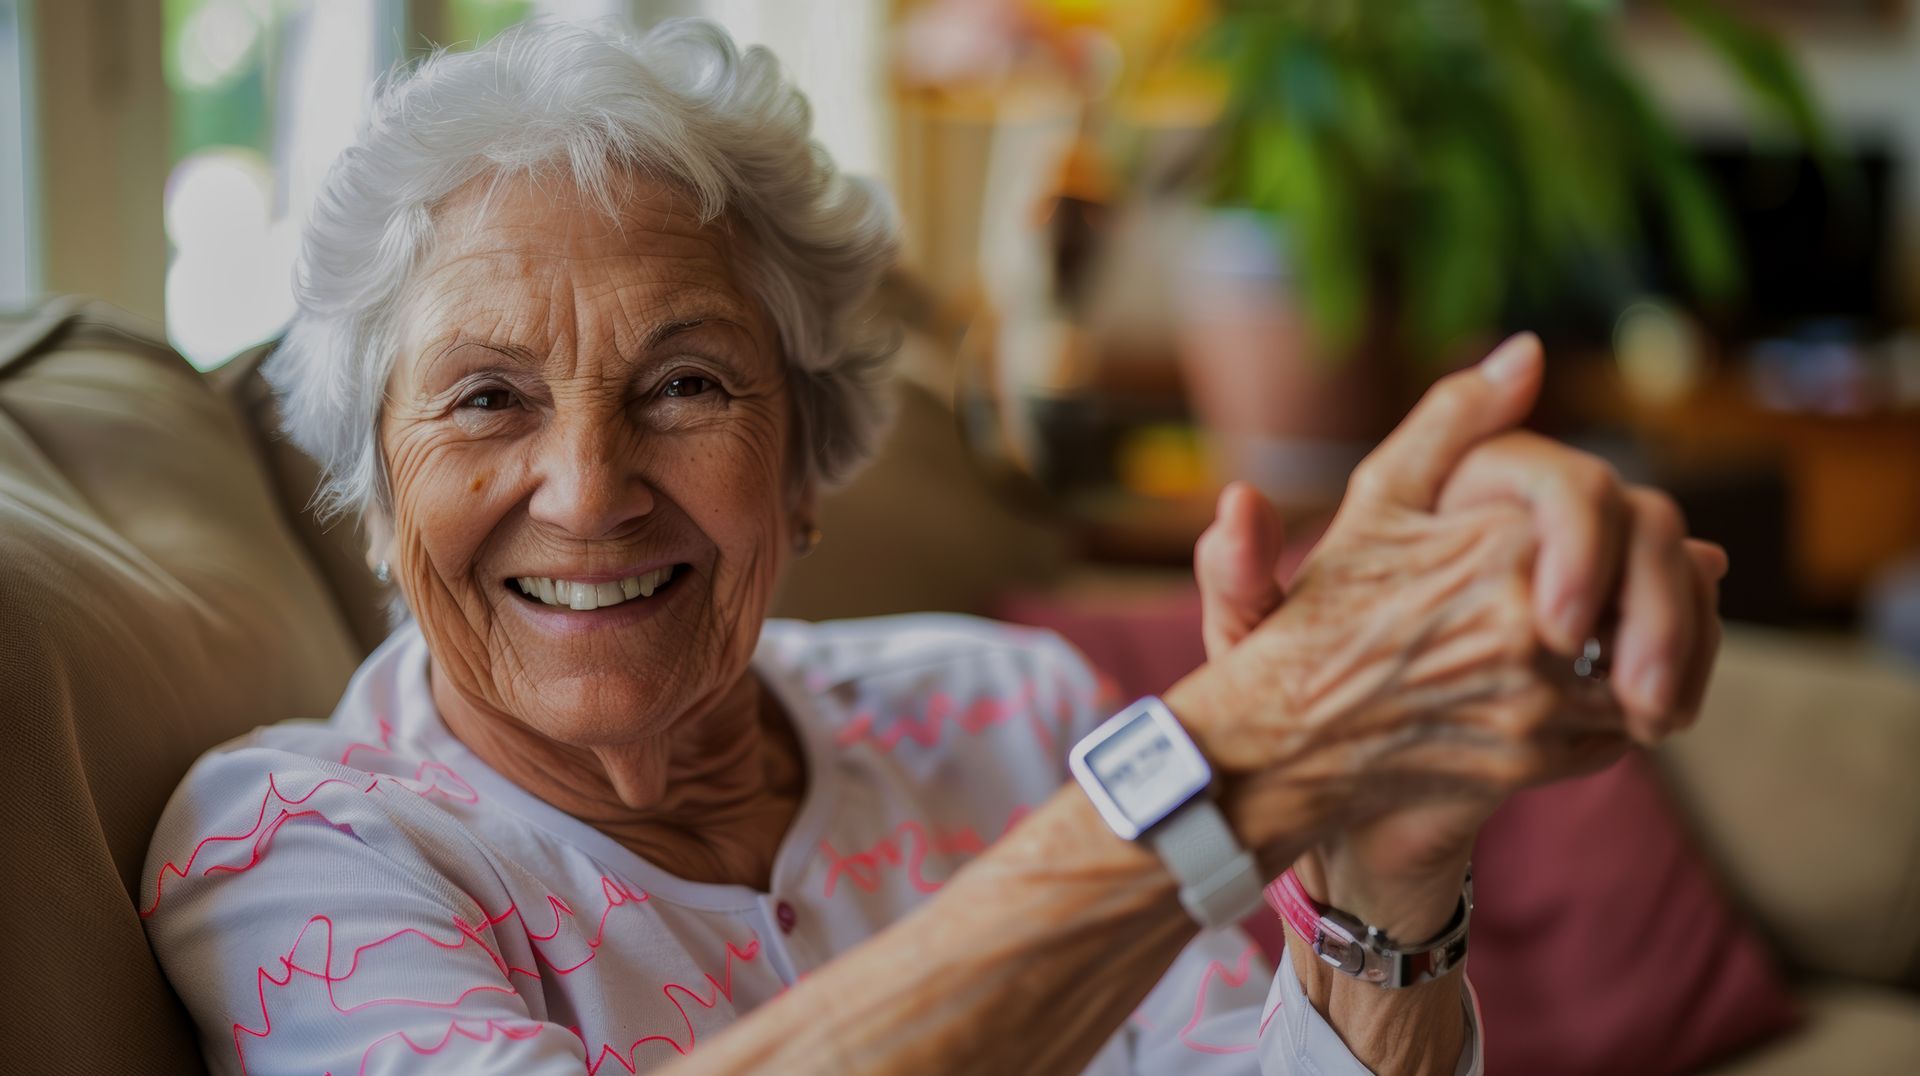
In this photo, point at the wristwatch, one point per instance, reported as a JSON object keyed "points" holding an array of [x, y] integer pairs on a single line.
{"points": [[1365, 952], [1150, 783]]}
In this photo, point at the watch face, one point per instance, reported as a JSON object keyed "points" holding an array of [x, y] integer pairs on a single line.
{"points": [[1147, 772]]}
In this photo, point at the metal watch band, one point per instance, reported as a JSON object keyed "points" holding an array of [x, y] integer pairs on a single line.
{"points": [[1365, 952], [1219, 882]]}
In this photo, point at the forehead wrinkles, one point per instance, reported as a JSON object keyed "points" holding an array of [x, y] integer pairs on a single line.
{"points": [[512, 285], [537, 270], [575, 324], [519, 223]]}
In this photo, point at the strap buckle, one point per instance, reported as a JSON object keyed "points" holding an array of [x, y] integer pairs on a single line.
{"points": [[1365, 952]]}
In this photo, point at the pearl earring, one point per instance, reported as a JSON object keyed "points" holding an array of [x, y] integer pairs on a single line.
{"points": [[382, 573]]}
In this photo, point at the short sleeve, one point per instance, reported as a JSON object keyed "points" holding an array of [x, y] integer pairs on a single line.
{"points": [[290, 909]]}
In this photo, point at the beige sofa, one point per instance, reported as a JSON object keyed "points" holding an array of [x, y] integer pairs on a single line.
{"points": [[162, 589]]}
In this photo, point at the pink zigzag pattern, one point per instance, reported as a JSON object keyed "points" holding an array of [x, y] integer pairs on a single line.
{"points": [[617, 893], [461, 790], [426, 781], [928, 726], [863, 868], [720, 988], [717, 989], [1234, 978], [261, 832], [325, 974], [488, 1029]]}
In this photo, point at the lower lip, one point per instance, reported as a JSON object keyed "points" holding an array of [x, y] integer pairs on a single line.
{"points": [[561, 620]]}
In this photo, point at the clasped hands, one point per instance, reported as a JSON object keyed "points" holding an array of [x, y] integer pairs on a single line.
{"points": [[1418, 668]]}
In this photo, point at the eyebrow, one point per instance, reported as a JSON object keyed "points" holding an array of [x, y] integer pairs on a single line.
{"points": [[663, 333], [462, 338]]}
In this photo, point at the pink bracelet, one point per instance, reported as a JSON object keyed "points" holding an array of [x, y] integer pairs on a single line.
{"points": [[1365, 952]]}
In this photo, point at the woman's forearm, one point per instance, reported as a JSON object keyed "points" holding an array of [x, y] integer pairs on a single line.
{"points": [[1416, 1031], [1028, 960], [1035, 953]]}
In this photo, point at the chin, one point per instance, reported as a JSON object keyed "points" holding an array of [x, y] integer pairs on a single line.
{"points": [[601, 710]]}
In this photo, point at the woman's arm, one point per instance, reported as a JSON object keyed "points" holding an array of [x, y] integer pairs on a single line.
{"points": [[350, 948], [1028, 960], [1404, 872], [1035, 953], [1404, 669], [1418, 1030]]}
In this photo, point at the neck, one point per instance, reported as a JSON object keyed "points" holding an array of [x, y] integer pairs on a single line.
{"points": [[708, 801]]}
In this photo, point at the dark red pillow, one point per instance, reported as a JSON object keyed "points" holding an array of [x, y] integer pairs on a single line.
{"points": [[1601, 943]]}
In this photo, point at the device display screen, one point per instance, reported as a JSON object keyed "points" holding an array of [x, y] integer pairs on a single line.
{"points": [[1145, 772]]}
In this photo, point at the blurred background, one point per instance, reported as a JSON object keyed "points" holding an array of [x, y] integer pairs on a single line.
{"points": [[1151, 246], [1158, 244]]}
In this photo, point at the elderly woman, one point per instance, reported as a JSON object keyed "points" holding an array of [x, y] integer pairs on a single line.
{"points": [[581, 336]]}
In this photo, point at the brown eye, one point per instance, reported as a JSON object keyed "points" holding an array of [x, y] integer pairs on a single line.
{"points": [[493, 399], [688, 386]]}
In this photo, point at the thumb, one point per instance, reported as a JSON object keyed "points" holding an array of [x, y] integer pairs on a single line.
{"points": [[1235, 562], [1411, 466], [1709, 559]]}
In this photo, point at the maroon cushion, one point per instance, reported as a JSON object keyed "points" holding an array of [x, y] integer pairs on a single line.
{"points": [[1602, 942]]}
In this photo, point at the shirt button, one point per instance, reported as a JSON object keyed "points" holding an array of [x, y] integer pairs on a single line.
{"points": [[787, 917]]}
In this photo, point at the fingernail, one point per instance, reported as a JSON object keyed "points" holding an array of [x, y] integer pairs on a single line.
{"points": [[1653, 687], [1572, 623], [1568, 615], [1510, 359]]}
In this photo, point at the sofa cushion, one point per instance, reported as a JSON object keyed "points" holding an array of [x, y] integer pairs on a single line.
{"points": [[155, 605], [1850, 1028], [1801, 778], [1604, 944], [337, 547], [920, 528]]}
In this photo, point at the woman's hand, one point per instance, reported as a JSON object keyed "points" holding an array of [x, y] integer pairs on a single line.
{"points": [[1600, 545], [1396, 693]]}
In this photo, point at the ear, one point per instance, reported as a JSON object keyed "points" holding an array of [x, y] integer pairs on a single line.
{"points": [[378, 527], [802, 484], [803, 518]]}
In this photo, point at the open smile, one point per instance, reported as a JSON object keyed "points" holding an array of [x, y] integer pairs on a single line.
{"points": [[585, 596]]}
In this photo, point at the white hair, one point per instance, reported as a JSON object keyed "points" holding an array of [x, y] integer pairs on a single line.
{"points": [[679, 103]]}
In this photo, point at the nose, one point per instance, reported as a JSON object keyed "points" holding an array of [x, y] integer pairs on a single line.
{"points": [[591, 482]]}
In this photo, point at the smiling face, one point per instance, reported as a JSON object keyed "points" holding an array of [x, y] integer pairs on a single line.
{"points": [[587, 409]]}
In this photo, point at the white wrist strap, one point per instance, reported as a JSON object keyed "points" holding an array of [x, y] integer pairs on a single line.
{"points": [[1219, 883]]}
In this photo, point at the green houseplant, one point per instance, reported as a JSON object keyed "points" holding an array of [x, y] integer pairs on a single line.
{"points": [[1419, 169], [1434, 159]]}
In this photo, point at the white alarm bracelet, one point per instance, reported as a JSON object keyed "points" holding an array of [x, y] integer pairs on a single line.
{"points": [[1151, 783]]}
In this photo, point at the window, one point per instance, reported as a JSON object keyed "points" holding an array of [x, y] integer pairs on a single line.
{"points": [[469, 22], [265, 93], [18, 257]]}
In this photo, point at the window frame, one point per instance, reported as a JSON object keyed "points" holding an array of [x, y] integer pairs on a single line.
{"points": [[20, 262]]}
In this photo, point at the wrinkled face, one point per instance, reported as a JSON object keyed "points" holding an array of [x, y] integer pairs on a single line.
{"points": [[594, 411]]}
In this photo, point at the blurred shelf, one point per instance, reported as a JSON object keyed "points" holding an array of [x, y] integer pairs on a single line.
{"points": [[1853, 481]]}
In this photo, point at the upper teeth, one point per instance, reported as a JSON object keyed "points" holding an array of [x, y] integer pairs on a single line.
{"points": [[584, 596]]}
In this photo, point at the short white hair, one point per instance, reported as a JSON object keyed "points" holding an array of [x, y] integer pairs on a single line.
{"points": [[679, 103]]}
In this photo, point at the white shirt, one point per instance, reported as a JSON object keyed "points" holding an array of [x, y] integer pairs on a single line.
{"points": [[366, 895]]}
